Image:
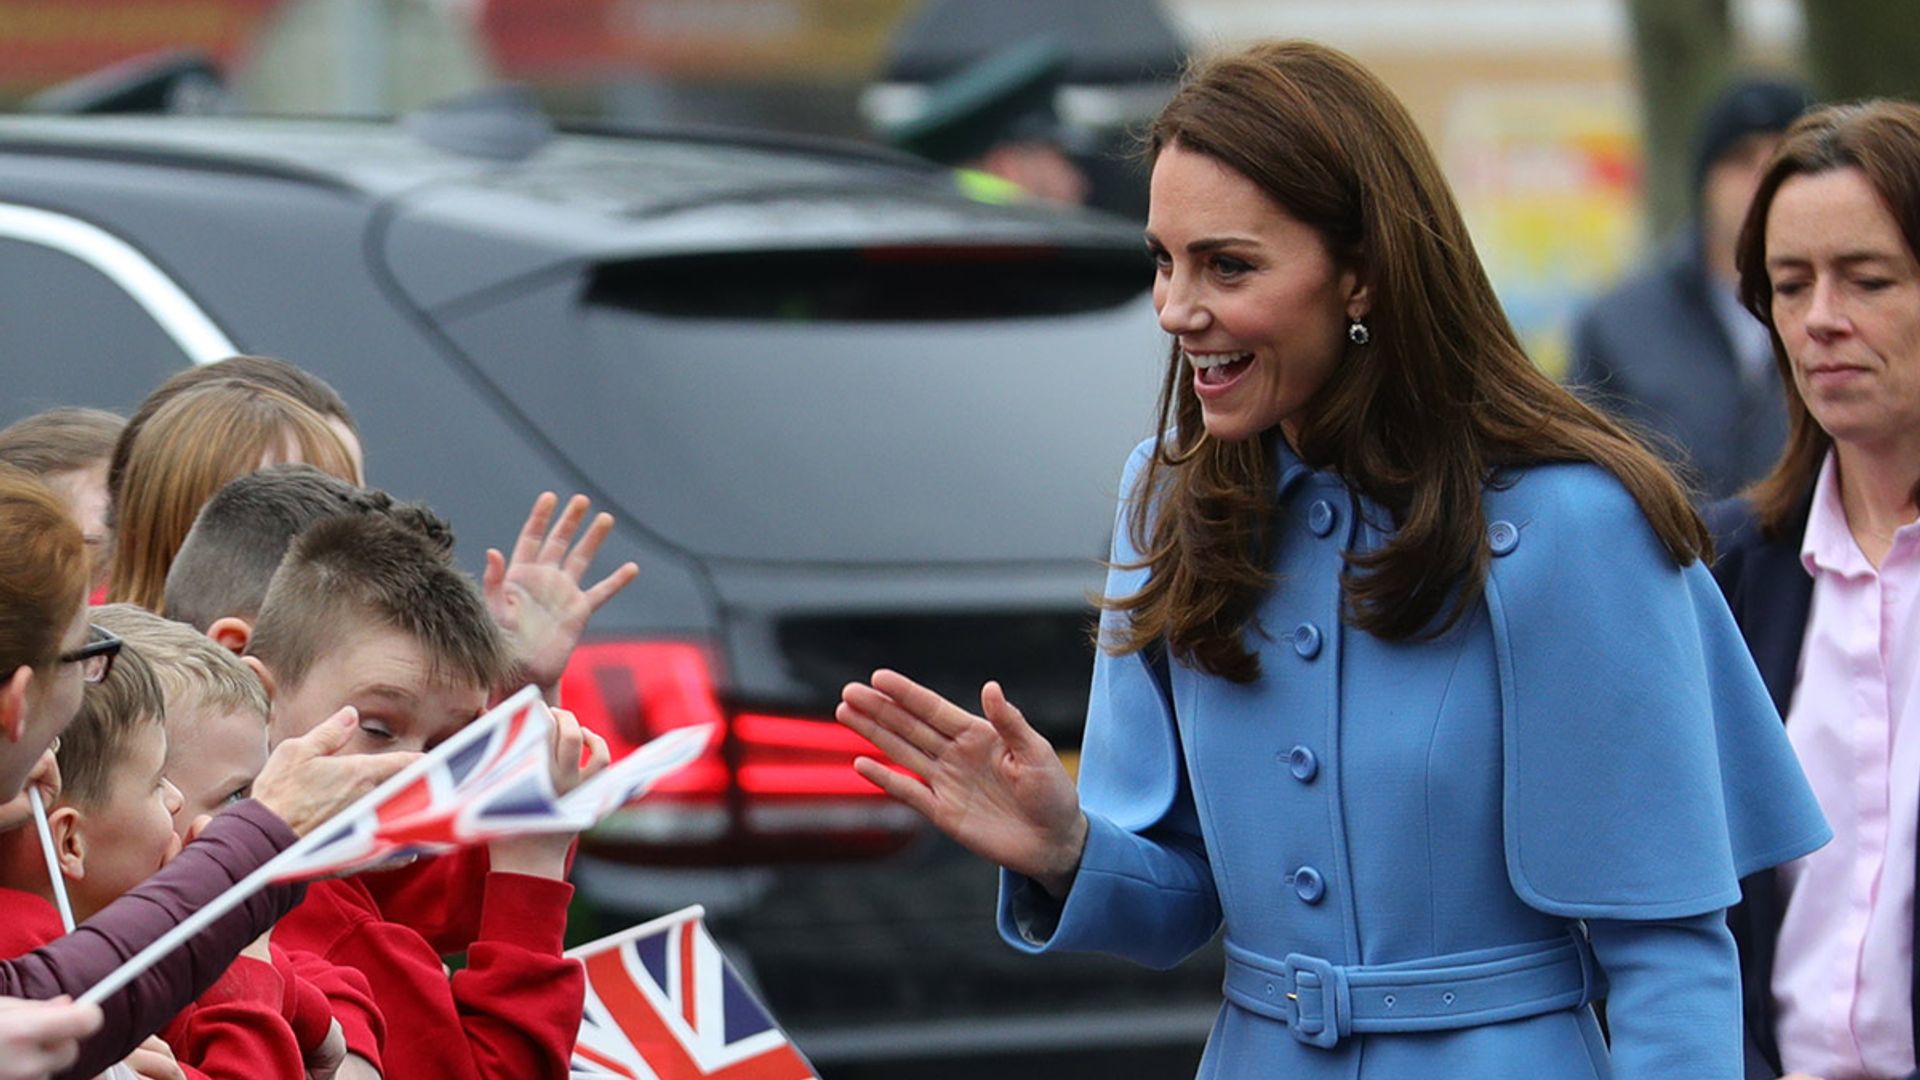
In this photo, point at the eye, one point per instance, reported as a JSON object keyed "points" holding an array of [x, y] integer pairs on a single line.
{"points": [[1872, 284], [237, 794], [1227, 266], [1789, 288], [375, 728], [1161, 260]]}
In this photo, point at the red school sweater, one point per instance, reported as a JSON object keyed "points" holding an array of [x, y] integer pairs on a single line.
{"points": [[512, 1014], [242, 1027]]}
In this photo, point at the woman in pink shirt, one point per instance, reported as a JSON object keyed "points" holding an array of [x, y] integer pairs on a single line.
{"points": [[1820, 562]]}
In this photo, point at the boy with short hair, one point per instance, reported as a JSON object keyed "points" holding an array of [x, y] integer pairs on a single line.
{"points": [[365, 611], [220, 575], [216, 721]]}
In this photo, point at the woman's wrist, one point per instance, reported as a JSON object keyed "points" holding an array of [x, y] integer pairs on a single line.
{"points": [[1057, 877]]}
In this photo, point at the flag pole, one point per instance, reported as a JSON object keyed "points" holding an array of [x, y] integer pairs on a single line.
{"points": [[54, 877]]}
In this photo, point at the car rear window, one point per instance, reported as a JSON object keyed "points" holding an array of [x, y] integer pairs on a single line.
{"points": [[875, 284]]}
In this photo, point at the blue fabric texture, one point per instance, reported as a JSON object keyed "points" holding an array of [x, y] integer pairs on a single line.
{"points": [[1588, 752]]}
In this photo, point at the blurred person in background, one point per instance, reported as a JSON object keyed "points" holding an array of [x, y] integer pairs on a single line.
{"points": [[1411, 675], [187, 450], [270, 372], [68, 449], [1670, 349], [995, 122], [1820, 562]]}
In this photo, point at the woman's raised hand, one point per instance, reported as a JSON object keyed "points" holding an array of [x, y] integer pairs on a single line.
{"points": [[992, 783]]}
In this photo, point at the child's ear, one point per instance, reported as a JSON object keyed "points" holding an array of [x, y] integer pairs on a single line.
{"points": [[13, 703], [260, 672], [232, 634], [68, 828]]}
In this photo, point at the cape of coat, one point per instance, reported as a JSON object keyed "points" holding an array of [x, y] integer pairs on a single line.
{"points": [[1430, 856]]}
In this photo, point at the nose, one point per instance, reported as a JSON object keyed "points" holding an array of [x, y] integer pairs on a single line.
{"points": [[1826, 312], [1181, 308], [174, 800]]}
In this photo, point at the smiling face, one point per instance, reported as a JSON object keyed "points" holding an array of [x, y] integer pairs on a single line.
{"points": [[1257, 303], [1846, 304], [129, 834], [384, 674]]}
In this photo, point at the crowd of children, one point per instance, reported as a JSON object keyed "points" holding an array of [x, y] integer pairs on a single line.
{"points": [[279, 639]]}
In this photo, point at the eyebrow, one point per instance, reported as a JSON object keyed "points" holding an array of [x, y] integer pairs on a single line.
{"points": [[1207, 244], [386, 690], [1846, 258], [231, 783]]}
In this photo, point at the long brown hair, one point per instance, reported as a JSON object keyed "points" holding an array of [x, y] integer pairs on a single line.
{"points": [[1881, 139], [1417, 420], [188, 450]]}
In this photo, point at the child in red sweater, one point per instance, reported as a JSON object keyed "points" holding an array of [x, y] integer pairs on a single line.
{"points": [[367, 612], [111, 828], [216, 721]]}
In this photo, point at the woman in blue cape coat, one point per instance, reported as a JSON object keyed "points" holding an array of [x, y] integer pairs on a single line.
{"points": [[1411, 676]]}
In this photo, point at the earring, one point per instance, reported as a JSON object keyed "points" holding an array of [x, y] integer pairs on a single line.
{"points": [[1357, 331]]}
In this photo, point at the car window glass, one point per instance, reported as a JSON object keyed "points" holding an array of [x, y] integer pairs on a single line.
{"points": [[74, 337]]}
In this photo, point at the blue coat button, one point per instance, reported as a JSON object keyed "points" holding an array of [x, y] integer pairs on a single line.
{"points": [[1303, 764], [1320, 517], [1306, 640], [1308, 886], [1502, 537]]}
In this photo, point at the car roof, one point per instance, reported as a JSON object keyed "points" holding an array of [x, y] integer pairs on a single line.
{"points": [[614, 192]]}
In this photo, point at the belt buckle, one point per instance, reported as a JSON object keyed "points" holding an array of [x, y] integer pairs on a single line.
{"points": [[1318, 998]]}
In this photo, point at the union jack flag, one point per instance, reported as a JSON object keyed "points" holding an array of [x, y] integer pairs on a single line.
{"points": [[664, 1004], [632, 776], [490, 779]]}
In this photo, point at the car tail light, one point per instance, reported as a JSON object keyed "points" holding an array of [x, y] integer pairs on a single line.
{"points": [[770, 789]]}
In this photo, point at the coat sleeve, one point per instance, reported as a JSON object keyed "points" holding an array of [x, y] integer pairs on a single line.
{"points": [[1646, 770], [1144, 889], [1673, 1000], [513, 1012]]}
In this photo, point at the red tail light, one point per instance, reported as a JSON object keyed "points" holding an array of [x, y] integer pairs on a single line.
{"points": [[772, 788]]}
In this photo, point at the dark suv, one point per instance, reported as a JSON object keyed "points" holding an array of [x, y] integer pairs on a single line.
{"points": [[845, 416]]}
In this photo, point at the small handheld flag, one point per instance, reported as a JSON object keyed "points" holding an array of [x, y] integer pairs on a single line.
{"points": [[663, 1003], [491, 779]]}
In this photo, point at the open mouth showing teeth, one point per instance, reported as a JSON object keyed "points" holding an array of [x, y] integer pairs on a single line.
{"points": [[1214, 369]]}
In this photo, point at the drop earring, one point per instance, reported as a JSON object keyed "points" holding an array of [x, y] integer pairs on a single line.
{"points": [[1357, 331]]}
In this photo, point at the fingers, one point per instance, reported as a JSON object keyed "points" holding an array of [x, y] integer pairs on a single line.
{"points": [[332, 733], [495, 574], [568, 748], [906, 789], [1010, 722], [944, 716], [611, 585], [889, 716], [598, 755], [198, 826], [583, 552], [527, 545], [561, 535], [886, 741]]}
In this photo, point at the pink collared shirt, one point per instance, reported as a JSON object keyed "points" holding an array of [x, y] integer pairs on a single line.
{"points": [[1842, 986]]}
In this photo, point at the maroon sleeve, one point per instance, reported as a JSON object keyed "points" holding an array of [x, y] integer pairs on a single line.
{"points": [[239, 841]]}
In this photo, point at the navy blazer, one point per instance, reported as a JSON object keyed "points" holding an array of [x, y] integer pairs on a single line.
{"points": [[1771, 594]]}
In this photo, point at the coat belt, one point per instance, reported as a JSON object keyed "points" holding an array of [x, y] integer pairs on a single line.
{"points": [[1322, 1002]]}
